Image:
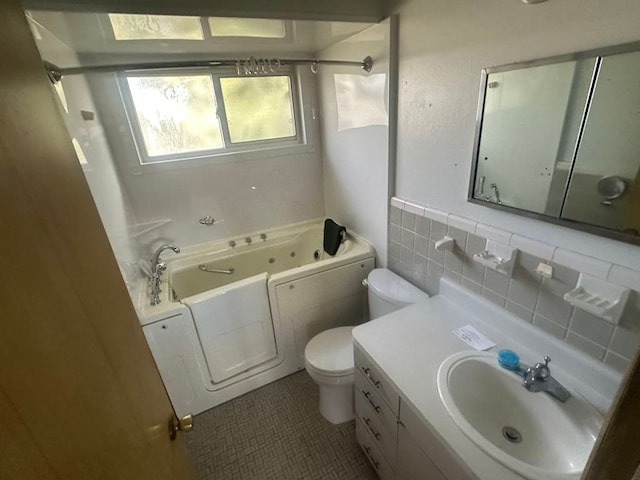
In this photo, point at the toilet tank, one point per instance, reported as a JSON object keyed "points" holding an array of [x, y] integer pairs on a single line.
{"points": [[389, 292]]}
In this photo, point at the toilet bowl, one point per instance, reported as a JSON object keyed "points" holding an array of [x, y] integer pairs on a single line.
{"points": [[328, 356], [328, 359]]}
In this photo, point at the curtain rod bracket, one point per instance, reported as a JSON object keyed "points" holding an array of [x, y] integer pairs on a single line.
{"points": [[367, 64], [53, 72]]}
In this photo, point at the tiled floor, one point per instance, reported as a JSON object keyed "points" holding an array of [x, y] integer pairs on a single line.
{"points": [[276, 432]]}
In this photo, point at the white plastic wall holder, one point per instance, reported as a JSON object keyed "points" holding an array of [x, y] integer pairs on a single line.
{"points": [[446, 244], [599, 298], [544, 270], [498, 257]]}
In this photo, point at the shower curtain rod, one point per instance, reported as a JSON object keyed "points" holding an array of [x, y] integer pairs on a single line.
{"points": [[249, 65]]}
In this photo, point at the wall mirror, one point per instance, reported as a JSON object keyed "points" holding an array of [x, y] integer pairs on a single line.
{"points": [[559, 140]]}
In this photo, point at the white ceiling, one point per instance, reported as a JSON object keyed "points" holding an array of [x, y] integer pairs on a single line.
{"points": [[90, 35]]}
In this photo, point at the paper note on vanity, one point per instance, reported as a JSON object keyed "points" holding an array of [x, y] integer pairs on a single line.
{"points": [[473, 338]]}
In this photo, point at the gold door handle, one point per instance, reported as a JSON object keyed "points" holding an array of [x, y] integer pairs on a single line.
{"points": [[184, 424]]}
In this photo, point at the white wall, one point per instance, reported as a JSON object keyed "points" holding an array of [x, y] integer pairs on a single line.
{"points": [[258, 192], [243, 196], [355, 136], [443, 47], [255, 191], [108, 195]]}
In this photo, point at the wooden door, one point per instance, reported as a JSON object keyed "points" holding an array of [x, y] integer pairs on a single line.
{"points": [[80, 396], [616, 455]]}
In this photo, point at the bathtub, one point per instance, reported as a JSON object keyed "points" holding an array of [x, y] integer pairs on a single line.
{"points": [[236, 314]]}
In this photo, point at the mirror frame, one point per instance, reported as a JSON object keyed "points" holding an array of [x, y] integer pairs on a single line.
{"points": [[594, 53]]}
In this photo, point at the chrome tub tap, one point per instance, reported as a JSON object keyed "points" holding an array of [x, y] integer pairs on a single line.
{"points": [[157, 267]]}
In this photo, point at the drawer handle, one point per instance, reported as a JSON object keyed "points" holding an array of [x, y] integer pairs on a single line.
{"points": [[373, 460], [367, 373], [367, 422], [367, 395]]}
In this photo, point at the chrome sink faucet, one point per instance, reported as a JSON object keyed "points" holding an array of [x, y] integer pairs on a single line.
{"points": [[538, 379], [157, 267]]}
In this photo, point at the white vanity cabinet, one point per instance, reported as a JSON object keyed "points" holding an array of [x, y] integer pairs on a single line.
{"points": [[383, 468], [396, 441], [408, 356], [420, 448], [376, 406], [412, 462]]}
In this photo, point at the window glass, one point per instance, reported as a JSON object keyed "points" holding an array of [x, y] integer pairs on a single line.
{"points": [[247, 27], [176, 114], [258, 108], [153, 27]]}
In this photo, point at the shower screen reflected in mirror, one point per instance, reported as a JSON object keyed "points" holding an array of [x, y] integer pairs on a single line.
{"points": [[605, 183], [559, 140]]}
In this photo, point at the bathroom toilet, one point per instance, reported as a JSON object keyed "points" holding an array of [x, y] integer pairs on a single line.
{"points": [[328, 356]]}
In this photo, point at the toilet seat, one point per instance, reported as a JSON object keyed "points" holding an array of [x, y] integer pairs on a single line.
{"points": [[330, 352]]}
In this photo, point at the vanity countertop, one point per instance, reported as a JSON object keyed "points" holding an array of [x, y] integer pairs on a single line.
{"points": [[410, 344]]}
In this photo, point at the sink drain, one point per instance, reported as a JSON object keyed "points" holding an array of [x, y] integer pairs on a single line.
{"points": [[511, 434]]}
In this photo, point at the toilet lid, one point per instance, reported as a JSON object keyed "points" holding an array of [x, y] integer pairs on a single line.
{"points": [[331, 351], [393, 288]]}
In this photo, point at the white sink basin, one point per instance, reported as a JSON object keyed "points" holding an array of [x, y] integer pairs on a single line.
{"points": [[493, 409]]}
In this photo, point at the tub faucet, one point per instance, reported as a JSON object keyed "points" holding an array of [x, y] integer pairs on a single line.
{"points": [[538, 379], [157, 267]]}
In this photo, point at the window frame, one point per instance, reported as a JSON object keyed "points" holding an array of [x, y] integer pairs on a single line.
{"points": [[109, 34], [229, 150], [241, 41]]}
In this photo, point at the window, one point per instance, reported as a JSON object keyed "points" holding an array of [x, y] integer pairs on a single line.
{"points": [[189, 115], [155, 27], [246, 27], [258, 108], [176, 114], [127, 27]]}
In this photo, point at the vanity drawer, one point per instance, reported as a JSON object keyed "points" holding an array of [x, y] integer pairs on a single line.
{"points": [[383, 468], [377, 380], [373, 400], [384, 435]]}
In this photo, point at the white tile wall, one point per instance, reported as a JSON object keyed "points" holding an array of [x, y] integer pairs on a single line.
{"points": [[462, 223], [437, 215], [414, 229], [582, 263], [497, 234], [414, 208], [398, 203], [534, 247], [625, 277]]}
